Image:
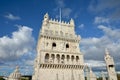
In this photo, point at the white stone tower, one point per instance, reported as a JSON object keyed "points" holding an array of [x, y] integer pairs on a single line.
{"points": [[16, 75], [110, 66], [58, 53]]}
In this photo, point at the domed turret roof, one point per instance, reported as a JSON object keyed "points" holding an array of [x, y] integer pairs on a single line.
{"points": [[15, 75]]}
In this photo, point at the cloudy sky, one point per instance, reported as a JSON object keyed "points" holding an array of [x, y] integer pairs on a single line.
{"points": [[97, 22]]}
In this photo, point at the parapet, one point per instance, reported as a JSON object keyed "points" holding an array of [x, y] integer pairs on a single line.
{"points": [[56, 21]]}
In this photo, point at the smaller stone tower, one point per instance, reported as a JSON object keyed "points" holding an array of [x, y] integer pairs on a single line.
{"points": [[103, 75], [89, 74], [92, 75], [15, 75], [87, 71], [110, 66]]}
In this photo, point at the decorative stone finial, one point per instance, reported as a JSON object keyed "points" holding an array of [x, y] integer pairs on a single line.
{"points": [[106, 51], [46, 17], [72, 22]]}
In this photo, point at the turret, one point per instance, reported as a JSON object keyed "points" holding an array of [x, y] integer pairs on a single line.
{"points": [[46, 19], [72, 23], [110, 66]]}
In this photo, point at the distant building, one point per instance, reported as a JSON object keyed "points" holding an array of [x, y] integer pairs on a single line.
{"points": [[58, 53], [89, 74], [15, 75], [103, 76], [110, 66]]}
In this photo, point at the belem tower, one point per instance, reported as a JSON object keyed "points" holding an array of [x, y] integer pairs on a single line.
{"points": [[59, 56], [58, 53]]}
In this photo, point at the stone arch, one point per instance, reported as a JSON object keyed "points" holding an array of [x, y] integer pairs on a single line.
{"points": [[77, 58], [53, 44], [52, 57], [62, 58], [68, 57], [67, 45], [58, 58], [72, 58], [47, 56]]}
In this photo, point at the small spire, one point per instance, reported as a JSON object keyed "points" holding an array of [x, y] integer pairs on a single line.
{"points": [[90, 69], [106, 51], [72, 22], [46, 19], [46, 16]]}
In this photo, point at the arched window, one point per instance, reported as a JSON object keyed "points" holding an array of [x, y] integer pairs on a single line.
{"points": [[77, 58], [72, 57], [58, 57], [52, 57], [68, 57], [53, 44], [67, 45], [62, 58], [47, 57]]}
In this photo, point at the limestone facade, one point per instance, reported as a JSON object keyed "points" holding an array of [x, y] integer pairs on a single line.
{"points": [[110, 66], [58, 53]]}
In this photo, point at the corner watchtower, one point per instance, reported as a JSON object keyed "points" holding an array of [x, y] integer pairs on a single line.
{"points": [[110, 66]]}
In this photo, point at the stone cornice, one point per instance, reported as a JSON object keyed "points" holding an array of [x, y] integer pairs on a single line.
{"points": [[60, 66], [55, 51], [72, 39]]}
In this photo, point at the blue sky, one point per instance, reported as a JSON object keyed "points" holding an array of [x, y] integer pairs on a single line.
{"points": [[97, 22]]}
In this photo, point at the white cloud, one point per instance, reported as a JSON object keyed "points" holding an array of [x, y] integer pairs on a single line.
{"points": [[12, 17], [113, 34], [100, 5], [81, 26], [99, 20], [29, 62], [95, 63], [109, 8], [66, 12], [21, 42], [60, 3], [94, 48]]}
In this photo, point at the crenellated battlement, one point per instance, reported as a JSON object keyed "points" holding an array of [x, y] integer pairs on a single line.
{"points": [[61, 23], [57, 22], [57, 26]]}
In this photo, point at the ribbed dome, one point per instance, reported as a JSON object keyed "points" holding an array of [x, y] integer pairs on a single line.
{"points": [[15, 75]]}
